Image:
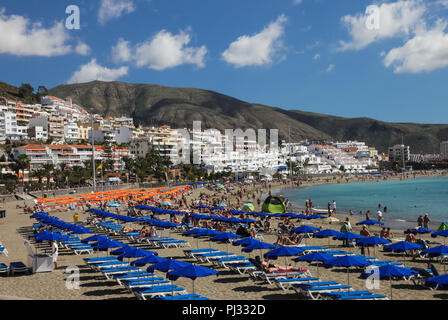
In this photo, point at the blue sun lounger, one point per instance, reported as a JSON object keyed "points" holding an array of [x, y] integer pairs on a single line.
{"points": [[110, 264], [363, 297], [315, 292], [110, 272], [133, 276], [183, 297], [147, 284], [158, 291], [18, 267], [285, 284], [99, 259], [192, 253], [337, 295], [4, 269]]}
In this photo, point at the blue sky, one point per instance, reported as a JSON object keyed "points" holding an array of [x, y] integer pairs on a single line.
{"points": [[316, 55]]}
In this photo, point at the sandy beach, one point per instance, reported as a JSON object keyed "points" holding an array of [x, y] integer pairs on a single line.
{"points": [[17, 226]]}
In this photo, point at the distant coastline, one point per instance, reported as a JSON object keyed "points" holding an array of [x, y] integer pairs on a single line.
{"points": [[395, 223]]}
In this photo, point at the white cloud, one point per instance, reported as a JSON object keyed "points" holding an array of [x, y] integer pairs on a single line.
{"points": [[166, 50], [93, 71], [425, 52], [296, 2], [121, 52], [18, 36], [259, 49], [112, 9], [395, 18], [330, 68], [316, 56], [82, 49]]}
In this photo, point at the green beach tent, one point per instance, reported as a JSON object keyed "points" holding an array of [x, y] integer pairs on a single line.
{"points": [[274, 204], [442, 227], [248, 206]]}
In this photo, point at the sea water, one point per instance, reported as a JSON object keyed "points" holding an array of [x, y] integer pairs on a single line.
{"points": [[405, 199]]}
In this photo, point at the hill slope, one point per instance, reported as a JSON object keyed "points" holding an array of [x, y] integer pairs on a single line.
{"points": [[178, 107]]}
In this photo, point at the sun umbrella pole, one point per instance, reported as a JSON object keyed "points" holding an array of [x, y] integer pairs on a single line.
{"points": [[390, 281]]}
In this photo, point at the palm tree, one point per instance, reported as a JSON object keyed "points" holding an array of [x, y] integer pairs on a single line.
{"points": [[22, 163], [48, 169]]}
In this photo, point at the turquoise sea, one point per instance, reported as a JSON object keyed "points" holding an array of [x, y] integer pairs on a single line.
{"points": [[405, 199]]}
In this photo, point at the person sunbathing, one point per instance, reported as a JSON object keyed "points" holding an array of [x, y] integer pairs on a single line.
{"points": [[268, 267]]}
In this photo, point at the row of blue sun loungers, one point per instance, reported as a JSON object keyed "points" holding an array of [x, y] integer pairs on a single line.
{"points": [[311, 287], [142, 284]]}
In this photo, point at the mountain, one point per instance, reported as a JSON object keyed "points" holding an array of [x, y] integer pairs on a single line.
{"points": [[178, 107]]}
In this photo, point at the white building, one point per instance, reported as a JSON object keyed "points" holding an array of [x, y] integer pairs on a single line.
{"points": [[444, 149], [71, 132], [9, 130], [399, 152]]}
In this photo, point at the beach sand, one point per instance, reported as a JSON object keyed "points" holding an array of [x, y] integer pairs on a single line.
{"points": [[226, 286]]}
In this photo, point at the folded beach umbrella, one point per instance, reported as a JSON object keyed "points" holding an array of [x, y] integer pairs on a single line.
{"points": [[402, 246], [302, 216], [315, 256], [436, 282], [348, 261], [390, 271], [305, 229], [369, 222], [192, 271]]}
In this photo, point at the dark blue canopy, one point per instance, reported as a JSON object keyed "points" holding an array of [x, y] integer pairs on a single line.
{"points": [[369, 222], [282, 252], [315, 256], [191, 271], [259, 245], [168, 264], [402, 246], [304, 229], [347, 261], [327, 233], [372, 241]]}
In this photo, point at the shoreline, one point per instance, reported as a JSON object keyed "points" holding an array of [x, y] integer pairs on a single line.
{"points": [[396, 223]]}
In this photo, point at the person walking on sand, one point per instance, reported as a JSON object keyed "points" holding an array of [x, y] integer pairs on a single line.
{"points": [[426, 221], [54, 253], [334, 207], [380, 215], [420, 221]]}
